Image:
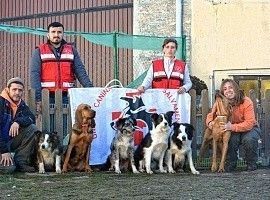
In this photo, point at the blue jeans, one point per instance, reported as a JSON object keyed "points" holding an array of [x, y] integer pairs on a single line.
{"points": [[249, 141]]}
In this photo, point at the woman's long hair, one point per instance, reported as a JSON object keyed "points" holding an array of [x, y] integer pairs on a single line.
{"points": [[239, 94]]}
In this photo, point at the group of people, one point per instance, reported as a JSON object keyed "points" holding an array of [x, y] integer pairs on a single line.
{"points": [[56, 65]]}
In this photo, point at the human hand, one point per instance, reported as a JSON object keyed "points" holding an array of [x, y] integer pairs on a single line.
{"points": [[227, 126], [181, 90], [6, 159], [141, 89], [38, 107], [210, 125], [14, 129]]}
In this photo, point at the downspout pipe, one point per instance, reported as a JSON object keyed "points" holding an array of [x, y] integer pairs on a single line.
{"points": [[179, 18], [179, 32]]}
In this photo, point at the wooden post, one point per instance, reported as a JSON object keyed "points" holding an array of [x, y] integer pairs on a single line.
{"points": [[59, 114], [193, 121], [205, 107], [45, 118], [266, 135]]}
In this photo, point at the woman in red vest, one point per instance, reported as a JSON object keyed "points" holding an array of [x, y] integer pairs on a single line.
{"points": [[169, 72]]}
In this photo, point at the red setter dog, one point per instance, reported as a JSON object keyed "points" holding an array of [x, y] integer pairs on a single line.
{"points": [[217, 135], [78, 152]]}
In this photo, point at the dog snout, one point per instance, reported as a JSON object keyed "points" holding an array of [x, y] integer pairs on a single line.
{"points": [[165, 123], [43, 146], [184, 138]]}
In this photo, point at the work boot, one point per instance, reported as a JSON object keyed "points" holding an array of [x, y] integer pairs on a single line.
{"points": [[25, 168]]}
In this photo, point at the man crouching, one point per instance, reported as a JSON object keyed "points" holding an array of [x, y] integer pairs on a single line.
{"points": [[16, 129]]}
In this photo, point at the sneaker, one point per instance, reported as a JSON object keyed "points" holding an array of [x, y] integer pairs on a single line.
{"points": [[25, 168]]}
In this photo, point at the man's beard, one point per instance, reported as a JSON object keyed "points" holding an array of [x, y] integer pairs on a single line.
{"points": [[58, 42]]}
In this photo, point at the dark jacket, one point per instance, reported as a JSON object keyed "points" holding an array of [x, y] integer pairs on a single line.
{"points": [[35, 73], [24, 117]]}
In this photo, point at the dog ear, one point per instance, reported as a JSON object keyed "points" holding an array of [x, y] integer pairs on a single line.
{"points": [[169, 115], [78, 114], [217, 93], [190, 130], [93, 113], [154, 116], [93, 123], [55, 135], [38, 133], [119, 123], [176, 126], [189, 126]]}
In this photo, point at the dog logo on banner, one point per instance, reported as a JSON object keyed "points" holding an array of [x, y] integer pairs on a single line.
{"points": [[136, 109]]}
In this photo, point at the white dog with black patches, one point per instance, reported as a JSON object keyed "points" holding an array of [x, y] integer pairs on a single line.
{"points": [[49, 152], [155, 143], [180, 147]]}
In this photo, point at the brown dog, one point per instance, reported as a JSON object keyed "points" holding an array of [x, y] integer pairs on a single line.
{"points": [[217, 135], [77, 155]]}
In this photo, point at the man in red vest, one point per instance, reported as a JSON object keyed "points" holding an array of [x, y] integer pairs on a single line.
{"points": [[169, 72], [56, 65]]}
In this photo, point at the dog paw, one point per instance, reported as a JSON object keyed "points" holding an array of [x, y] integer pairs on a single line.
{"points": [[221, 170], [214, 168], [58, 171], [149, 172], [141, 170], [41, 171], [64, 170], [111, 169], [136, 172], [163, 171], [118, 171], [88, 170], [195, 172], [172, 171]]}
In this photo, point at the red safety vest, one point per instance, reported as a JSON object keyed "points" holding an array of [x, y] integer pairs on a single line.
{"points": [[57, 73], [160, 79]]}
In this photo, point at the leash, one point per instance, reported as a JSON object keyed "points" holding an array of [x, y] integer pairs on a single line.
{"points": [[117, 84]]}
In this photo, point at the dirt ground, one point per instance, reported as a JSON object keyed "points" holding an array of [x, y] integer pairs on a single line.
{"points": [[108, 185]]}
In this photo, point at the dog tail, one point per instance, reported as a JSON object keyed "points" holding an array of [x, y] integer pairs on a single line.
{"points": [[207, 139]]}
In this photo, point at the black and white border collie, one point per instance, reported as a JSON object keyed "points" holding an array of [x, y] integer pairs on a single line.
{"points": [[155, 143], [49, 152], [180, 147], [123, 144]]}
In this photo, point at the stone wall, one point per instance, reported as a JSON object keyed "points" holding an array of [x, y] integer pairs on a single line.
{"points": [[157, 18]]}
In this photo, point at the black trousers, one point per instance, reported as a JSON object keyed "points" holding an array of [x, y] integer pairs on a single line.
{"points": [[23, 146]]}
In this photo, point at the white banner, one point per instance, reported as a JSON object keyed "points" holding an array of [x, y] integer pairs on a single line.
{"points": [[113, 103]]}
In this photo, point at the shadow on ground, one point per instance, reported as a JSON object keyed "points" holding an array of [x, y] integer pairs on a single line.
{"points": [[108, 185]]}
